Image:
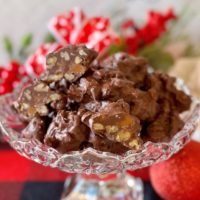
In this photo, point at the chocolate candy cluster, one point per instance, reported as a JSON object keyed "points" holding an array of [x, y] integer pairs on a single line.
{"points": [[112, 105]]}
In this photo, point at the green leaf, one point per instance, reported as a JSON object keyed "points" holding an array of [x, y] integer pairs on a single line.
{"points": [[158, 58], [25, 44], [26, 41], [117, 47], [8, 46], [49, 38]]}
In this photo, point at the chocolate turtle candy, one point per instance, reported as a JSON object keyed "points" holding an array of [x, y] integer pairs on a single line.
{"points": [[36, 129], [165, 125], [112, 105], [116, 124], [163, 87], [35, 100], [144, 105], [66, 132], [70, 63], [115, 89], [134, 68]]}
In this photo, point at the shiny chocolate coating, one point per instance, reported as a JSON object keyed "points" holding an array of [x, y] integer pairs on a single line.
{"points": [[116, 124], [35, 100], [66, 132], [103, 144], [133, 68], [165, 126], [113, 105], [36, 129], [70, 63]]}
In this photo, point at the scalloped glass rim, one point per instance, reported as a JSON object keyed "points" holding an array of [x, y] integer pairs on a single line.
{"points": [[90, 160]]}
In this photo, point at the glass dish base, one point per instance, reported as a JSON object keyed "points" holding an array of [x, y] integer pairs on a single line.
{"points": [[106, 187]]}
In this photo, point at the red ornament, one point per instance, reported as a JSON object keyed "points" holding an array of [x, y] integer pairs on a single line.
{"points": [[5, 88], [179, 177], [141, 173], [75, 28], [35, 64], [8, 76], [22, 71], [15, 83]]}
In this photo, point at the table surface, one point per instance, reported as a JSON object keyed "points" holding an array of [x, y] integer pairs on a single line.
{"points": [[22, 179]]}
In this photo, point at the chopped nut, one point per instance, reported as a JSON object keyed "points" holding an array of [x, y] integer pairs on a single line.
{"points": [[112, 129], [55, 77], [42, 110], [98, 127], [61, 64], [78, 69], [82, 53], [65, 55], [41, 88], [27, 94], [77, 60], [51, 61], [55, 97], [24, 106], [127, 120], [123, 136], [31, 111], [69, 77], [134, 144]]}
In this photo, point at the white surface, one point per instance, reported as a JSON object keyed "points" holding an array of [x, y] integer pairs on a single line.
{"points": [[18, 17]]}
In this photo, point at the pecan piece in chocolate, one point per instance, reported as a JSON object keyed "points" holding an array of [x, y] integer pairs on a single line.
{"points": [[75, 93], [66, 132], [35, 99], [103, 144], [163, 87], [36, 129], [70, 62], [115, 89], [144, 105], [167, 123], [117, 125], [180, 101], [134, 68], [105, 74], [91, 87]]}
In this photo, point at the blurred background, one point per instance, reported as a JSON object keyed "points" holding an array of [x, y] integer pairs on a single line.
{"points": [[20, 17]]}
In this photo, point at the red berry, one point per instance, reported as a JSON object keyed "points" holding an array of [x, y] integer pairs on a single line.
{"points": [[15, 83], [1, 69], [5, 88], [13, 66], [8, 76], [22, 71]]}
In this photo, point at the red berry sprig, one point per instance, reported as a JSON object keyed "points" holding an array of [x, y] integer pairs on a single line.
{"points": [[138, 37]]}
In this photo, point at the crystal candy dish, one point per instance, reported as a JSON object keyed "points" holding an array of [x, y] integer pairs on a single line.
{"points": [[91, 161]]}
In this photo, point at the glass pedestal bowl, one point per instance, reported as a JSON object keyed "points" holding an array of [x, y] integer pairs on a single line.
{"points": [[101, 175]]}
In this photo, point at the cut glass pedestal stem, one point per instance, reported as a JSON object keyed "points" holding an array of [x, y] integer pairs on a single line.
{"points": [[109, 187]]}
